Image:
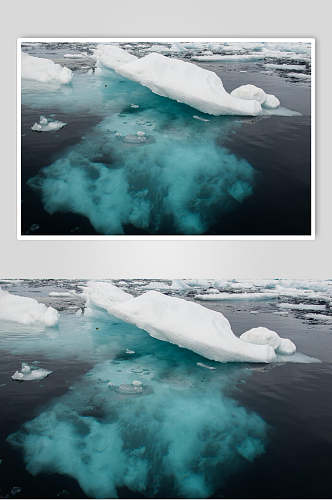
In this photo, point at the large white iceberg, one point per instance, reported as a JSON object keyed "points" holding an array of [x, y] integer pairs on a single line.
{"points": [[178, 321], [25, 310], [44, 70], [187, 83], [176, 79]]}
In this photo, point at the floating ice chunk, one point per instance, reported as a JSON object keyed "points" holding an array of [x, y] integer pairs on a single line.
{"points": [[25, 310], [237, 296], [298, 67], [184, 323], [187, 83], [30, 373], [155, 285], [45, 125], [180, 285], [60, 294], [75, 56], [112, 57], [44, 70], [203, 365], [319, 317], [302, 306], [226, 58], [300, 76], [250, 92], [265, 336]]}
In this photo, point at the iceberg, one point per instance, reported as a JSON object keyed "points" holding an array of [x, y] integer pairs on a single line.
{"points": [[44, 70], [26, 310], [46, 125], [265, 336], [186, 83], [122, 435], [30, 373], [178, 321]]}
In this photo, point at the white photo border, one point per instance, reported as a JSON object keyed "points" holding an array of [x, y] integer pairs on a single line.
{"points": [[310, 237]]}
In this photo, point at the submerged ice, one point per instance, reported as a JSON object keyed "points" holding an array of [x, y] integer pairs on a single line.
{"points": [[110, 436], [150, 166]]}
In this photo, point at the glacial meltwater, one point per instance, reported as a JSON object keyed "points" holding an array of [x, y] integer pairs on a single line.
{"points": [[104, 154], [93, 406]]}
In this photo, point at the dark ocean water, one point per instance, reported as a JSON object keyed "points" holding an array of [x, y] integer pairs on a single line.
{"points": [[292, 401], [276, 147]]}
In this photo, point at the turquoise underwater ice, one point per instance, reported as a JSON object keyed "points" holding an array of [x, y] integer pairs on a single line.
{"points": [[148, 163], [145, 417]]}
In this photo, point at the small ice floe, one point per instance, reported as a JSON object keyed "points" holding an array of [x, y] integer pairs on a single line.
{"points": [[265, 336], [202, 365], [200, 118], [30, 373], [75, 56], [318, 317], [300, 76], [46, 125], [302, 306], [60, 294], [129, 351]]}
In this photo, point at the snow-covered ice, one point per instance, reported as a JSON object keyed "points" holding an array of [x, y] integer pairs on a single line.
{"points": [[28, 372], [302, 306], [237, 296], [187, 83], [44, 70], [178, 321], [46, 125], [26, 310]]}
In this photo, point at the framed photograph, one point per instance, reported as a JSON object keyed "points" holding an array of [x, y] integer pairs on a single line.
{"points": [[184, 388], [202, 138]]}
